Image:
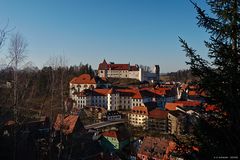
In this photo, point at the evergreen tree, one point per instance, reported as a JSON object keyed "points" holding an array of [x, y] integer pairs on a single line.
{"points": [[220, 76]]}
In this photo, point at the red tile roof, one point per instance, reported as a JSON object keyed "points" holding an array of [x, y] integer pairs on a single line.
{"points": [[211, 108], [158, 114], [105, 66], [115, 134], [189, 103], [102, 92], [137, 95], [83, 79], [140, 110], [134, 93], [119, 66], [193, 93], [95, 92], [151, 92], [153, 146], [172, 106], [68, 124]]}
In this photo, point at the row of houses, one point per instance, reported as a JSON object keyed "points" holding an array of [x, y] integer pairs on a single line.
{"points": [[115, 140], [175, 119], [87, 91]]}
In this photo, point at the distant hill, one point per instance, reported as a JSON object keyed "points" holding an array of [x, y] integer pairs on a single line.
{"points": [[179, 76]]}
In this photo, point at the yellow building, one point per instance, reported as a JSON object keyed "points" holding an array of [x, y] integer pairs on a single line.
{"points": [[138, 116]]}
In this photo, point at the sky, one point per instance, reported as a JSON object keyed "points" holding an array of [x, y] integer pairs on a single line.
{"points": [[87, 31]]}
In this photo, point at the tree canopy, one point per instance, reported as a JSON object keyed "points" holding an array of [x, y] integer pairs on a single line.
{"points": [[220, 74]]}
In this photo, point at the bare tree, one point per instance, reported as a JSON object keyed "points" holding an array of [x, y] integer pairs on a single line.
{"points": [[3, 33], [58, 71], [17, 50], [62, 67]]}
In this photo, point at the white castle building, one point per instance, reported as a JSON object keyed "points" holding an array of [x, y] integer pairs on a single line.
{"points": [[127, 71]]}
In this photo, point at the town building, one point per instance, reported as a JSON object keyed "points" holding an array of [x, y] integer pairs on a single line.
{"points": [[118, 70], [85, 81], [114, 140], [177, 122], [123, 99], [156, 148], [158, 120], [138, 117], [113, 70], [94, 91], [113, 116], [172, 106], [152, 74], [68, 124]]}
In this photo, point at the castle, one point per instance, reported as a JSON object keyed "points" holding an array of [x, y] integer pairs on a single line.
{"points": [[113, 70]]}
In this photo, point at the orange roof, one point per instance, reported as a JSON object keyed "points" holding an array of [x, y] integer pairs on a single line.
{"points": [[211, 108], [155, 91], [137, 95], [189, 103], [171, 147], [68, 125], [133, 91], [158, 114], [95, 92], [83, 79], [140, 110], [172, 106], [104, 92], [193, 93]]}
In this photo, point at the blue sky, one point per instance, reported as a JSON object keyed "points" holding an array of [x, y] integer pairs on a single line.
{"points": [[136, 31]]}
